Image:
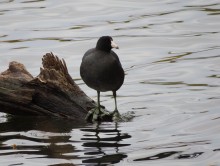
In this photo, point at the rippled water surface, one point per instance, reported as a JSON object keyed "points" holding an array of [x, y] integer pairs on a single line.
{"points": [[170, 50]]}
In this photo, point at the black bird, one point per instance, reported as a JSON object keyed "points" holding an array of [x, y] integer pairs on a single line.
{"points": [[101, 70]]}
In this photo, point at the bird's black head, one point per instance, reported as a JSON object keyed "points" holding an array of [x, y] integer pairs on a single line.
{"points": [[105, 43]]}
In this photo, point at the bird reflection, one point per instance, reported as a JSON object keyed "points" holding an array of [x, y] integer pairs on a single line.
{"points": [[103, 144]]}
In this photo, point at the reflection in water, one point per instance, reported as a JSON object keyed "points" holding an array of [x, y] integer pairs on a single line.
{"points": [[189, 156], [171, 153], [96, 144], [32, 136], [158, 156], [47, 138]]}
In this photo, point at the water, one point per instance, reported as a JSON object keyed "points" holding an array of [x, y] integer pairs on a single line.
{"points": [[170, 51]]}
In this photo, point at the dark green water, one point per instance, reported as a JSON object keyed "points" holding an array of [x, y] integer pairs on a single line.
{"points": [[171, 53]]}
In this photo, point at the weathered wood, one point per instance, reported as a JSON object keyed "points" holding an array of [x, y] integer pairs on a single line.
{"points": [[52, 93]]}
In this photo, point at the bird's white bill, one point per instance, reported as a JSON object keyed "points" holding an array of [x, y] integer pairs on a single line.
{"points": [[114, 45]]}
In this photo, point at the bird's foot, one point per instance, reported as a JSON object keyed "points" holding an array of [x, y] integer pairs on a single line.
{"points": [[92, 114], [96, 114], [116, 117]]}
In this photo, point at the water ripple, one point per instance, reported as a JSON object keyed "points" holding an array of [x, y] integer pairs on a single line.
{"points": [[170, 52]]}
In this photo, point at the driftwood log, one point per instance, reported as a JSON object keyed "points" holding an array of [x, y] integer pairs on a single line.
{"points": [[52, 93]]}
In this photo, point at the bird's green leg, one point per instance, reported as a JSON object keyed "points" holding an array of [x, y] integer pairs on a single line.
{"points": [[101, 112], [93, 114], [116, 114], [96, 113]]}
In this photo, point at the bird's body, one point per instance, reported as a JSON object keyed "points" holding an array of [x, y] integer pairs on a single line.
{"points": [[101, 69]]}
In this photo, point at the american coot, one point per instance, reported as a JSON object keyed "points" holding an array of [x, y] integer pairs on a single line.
{"points": [[101, 70]]}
